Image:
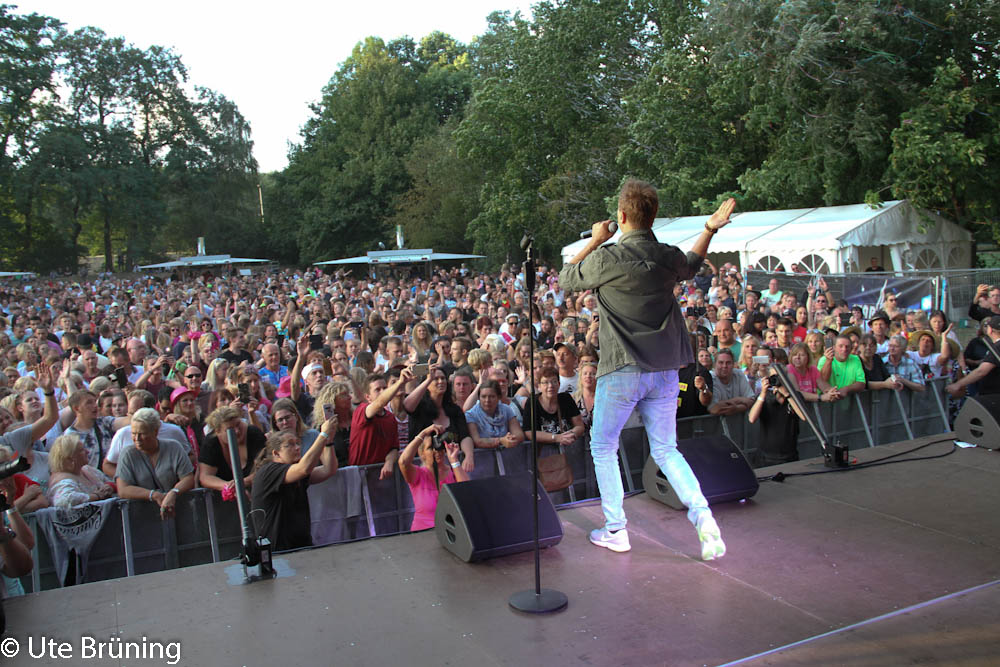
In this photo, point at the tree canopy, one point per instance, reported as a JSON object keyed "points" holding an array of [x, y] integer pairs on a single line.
{"points": [[104, 151], [530, 127]]}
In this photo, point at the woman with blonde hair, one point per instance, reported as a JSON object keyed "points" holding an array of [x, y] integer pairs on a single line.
{"points": [[71, 480], [421, 341], [480, 360], [805, 376], [335, 399], [586, 392], [215, 378], [817, 346], [748, 348]]}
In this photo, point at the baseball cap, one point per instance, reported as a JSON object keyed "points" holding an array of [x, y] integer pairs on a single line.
{"points": [[993, 322]]}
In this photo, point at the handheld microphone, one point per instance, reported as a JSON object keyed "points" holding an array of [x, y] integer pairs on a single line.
{"points": [[613, 227]]}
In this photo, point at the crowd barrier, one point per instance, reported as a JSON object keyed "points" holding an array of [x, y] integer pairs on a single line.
{"points": [[355, 504]]}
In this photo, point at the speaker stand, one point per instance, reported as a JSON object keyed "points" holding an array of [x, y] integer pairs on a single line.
{"points": [[543, 602]]}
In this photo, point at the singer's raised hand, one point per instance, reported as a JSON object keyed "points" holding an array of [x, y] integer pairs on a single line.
{"points": [[720, 218]]}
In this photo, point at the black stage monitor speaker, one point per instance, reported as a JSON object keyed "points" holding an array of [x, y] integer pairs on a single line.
{"points": [[978, 421], [719, 465], [486, 518]]}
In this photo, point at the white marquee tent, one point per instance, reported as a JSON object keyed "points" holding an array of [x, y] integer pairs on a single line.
{"points": [[831, 239], [195, 261]]}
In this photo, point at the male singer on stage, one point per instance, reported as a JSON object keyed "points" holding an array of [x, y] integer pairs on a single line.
{"points": [[643, 343]]}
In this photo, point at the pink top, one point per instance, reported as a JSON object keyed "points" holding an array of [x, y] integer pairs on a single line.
{"points": [[808, 383], [425, 496]]}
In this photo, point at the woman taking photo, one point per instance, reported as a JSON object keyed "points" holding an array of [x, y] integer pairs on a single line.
{"points": [[72, 481], [437, 467], [283, 475], [336, 396], [153, 470], [431, 403]]}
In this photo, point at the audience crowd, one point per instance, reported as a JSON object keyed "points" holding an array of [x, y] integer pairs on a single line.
{"points": [[128, 387]]}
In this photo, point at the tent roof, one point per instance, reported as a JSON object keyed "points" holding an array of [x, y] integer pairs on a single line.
{"points": [[203, 260], [822, 228], [405, 256], [15, 274]]}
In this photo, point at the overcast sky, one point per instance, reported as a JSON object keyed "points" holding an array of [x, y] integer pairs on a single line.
{"points": [[274, 58]]}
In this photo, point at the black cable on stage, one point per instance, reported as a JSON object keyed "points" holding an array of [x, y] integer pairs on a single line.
{"points": [[885, 460]]}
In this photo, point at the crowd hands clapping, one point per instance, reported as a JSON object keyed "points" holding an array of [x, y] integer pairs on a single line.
{"points": [[128, 386]]}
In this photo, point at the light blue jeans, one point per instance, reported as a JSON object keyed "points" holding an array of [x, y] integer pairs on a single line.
{"points": [[654, 395]]}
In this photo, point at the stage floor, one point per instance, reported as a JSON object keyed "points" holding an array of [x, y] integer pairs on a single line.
{"points": [[900, 564]]}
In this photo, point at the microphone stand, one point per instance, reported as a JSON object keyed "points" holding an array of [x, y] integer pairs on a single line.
{"points": [[256, 550], [539, 600], [835, 456]]}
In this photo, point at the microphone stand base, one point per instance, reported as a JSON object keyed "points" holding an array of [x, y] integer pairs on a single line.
{"points": [[545, 602], [837, 456]]}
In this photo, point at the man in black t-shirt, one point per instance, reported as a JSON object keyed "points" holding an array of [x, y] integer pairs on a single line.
{"points": [[987, 374]]}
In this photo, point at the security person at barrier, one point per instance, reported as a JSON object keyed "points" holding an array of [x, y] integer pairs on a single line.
{"points": [[987, 374], [643, 343]]}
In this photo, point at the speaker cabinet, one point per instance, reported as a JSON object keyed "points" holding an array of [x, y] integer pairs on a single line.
{"points": [[720, 467], [978, 421], [486, 518]]}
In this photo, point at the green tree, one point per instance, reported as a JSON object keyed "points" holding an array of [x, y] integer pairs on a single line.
{"points": [[210, 181], [444, 196], [548, 117], [346, 175], [29, 56], [946, 151]]}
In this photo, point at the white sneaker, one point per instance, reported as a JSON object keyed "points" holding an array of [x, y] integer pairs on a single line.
{"points": [[712, 546], [617, 541]]}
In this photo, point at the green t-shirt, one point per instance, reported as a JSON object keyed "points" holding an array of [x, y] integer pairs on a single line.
{"points": [[736, 348], [844, 373]]}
